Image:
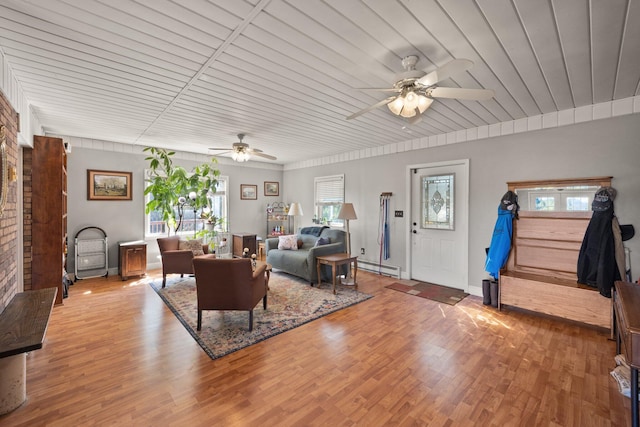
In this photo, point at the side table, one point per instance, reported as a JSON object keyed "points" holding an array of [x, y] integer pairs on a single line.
{"points": [[267, 271], [336, 260], [133, 259], [244, 240]]}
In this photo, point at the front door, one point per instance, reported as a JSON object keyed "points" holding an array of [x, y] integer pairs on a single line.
{"points": [[439, 223]]}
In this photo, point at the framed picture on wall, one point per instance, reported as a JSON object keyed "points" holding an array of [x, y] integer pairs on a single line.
{"points": [[248, 192], [271, 188], [108, 185]]}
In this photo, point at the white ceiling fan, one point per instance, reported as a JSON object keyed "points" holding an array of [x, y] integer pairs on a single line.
{"points": [[241, 152], [415, 91]]}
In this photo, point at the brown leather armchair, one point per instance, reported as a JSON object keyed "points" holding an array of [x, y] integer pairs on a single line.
{"points": [[175, 260], [229, 284]]}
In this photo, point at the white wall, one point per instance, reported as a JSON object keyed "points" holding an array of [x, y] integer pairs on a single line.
{"points": [[597, 148], [124, 220], [608, 147]]}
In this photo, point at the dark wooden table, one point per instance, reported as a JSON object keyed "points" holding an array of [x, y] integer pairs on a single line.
{"points": [[626, 300], [23, 323], [336, 260]]}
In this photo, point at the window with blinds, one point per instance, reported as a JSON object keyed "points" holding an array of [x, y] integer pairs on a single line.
{"points": [[328, 196]]}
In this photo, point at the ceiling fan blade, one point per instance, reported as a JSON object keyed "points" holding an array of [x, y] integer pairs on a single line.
{"points": [[461, 93], [254, 150], [223, 153], [373, 107], [261, 154], [446, 71], [226, 148]]}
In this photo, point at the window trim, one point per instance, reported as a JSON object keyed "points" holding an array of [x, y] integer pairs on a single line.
{"points": [[333, 222]]}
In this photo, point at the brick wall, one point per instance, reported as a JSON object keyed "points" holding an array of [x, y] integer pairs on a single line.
{"points": [[8, 220]]}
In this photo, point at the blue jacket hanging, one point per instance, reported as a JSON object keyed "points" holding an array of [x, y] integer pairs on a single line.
{"points": [[500, 242]]}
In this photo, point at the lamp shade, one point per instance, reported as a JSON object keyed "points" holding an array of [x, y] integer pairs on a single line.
{"points": [[295, 209], [347, 211]]}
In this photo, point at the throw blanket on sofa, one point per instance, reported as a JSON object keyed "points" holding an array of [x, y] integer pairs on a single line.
{"points": [[314, 231]]}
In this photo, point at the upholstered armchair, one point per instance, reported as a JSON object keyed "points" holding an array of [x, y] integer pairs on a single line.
{"points": [[176, 260], [229, 284]]}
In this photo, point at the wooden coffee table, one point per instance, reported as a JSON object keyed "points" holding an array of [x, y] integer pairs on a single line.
{"points": [[336, 260]]}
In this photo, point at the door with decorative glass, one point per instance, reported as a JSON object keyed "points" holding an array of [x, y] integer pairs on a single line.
{"points": [[439, 223]]}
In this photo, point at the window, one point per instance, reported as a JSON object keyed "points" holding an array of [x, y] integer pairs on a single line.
{"points": [[218, 202], [569, 198], [328, 196], [550, 196]]}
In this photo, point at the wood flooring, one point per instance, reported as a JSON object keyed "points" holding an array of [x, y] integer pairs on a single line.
{"points": [[115, 355]]}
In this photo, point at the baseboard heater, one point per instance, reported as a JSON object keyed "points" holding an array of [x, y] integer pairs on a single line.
{"points": [[374, 267]]}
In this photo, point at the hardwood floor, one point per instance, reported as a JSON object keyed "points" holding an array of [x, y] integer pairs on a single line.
{"points": [[116, 355]]}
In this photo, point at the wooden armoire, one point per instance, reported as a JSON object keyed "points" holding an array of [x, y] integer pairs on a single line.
{"points": [[45, 195]]}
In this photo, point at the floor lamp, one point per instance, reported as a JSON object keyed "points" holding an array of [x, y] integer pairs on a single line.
{"points": [[295, 210], [346, 213]]}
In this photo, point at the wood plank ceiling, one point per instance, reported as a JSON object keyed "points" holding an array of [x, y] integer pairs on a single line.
{"points": [[191, 74]]}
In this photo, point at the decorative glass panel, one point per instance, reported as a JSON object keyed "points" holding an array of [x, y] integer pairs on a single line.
{"points": [[437, 201]]}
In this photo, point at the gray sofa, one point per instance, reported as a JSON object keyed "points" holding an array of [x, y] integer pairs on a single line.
{"points": [[302, 263]]}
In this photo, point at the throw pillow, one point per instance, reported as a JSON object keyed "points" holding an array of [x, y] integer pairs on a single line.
{"points": [[194, 246], [323, 241], [288, 242]]}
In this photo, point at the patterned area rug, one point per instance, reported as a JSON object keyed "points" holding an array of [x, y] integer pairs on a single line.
{"points": [[430, 291], [291, 302]]}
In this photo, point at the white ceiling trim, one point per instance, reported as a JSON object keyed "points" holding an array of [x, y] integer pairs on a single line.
{"points": [[571, 116]]}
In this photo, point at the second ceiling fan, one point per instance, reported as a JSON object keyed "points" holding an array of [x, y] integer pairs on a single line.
{"points": [[241, 152], [414, 91]]}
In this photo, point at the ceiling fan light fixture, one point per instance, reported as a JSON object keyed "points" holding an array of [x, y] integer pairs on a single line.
{"points": [[396, 105], [240, 156], [424, 103], [409, 104]]}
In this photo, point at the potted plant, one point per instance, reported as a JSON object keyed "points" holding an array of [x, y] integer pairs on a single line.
{"points": [[211, 219], [168, 183]]}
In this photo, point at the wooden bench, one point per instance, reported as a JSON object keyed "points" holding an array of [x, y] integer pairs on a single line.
{"points": [[541, 273], [23, 325]]}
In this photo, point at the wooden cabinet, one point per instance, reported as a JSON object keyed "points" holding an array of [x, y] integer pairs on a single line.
{"points": [[278, 222], [244, 240], [48, 208], [133, 259]]}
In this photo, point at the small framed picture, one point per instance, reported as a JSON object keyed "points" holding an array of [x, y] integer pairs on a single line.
{"points": [[108, 185], [271, 188], [248, 192]]}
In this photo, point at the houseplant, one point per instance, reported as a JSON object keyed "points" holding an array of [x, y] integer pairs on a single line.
{"points": [[167, 183]]}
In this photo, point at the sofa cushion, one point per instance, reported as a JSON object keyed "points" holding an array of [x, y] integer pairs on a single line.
{"points": [[194, 246], [323, 241], [288, 242]]}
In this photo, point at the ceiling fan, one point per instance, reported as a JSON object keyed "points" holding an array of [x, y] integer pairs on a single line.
{"points": [[241, 152], [415, 91]]}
